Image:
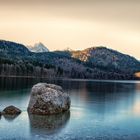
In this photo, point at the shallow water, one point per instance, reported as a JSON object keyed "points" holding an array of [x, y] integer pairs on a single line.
{"points": [[102, 110]]}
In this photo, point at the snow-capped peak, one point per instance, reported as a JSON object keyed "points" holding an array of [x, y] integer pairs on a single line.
{"points": [[39, 47]]}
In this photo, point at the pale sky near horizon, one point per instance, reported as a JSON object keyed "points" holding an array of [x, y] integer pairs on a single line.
{"points": [[77, 24]]}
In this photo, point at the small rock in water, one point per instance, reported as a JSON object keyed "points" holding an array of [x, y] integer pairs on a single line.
{"points": [[48, 99], [11, 110]]}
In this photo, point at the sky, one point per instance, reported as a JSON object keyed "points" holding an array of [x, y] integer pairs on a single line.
{"points": [[75, 24]]}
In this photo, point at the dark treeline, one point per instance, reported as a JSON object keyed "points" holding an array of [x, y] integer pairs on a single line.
{"points": [[47, 71]]}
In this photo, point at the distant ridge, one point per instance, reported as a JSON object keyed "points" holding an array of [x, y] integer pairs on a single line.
{"points": [[39, 48], [108, 59]]}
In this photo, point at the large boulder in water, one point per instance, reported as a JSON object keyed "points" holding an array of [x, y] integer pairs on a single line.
{"points": [[48, 99], [11, 110]]}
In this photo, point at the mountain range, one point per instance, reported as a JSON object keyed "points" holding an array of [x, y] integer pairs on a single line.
{"points": [[93, 63]]}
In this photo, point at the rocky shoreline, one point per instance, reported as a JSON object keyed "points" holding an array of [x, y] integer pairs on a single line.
{"points": [[45, 99]]}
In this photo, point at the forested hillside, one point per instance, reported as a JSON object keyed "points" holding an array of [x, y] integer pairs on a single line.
{"points": [[93, 63]]}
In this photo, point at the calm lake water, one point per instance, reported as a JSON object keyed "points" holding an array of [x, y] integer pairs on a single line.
{"points": [[100, 110]]}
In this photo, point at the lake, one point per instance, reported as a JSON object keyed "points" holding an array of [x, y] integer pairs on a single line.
{"points": [[100, 110]]}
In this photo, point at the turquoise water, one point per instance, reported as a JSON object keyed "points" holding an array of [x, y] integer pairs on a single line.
{"points": [[100, 110]]}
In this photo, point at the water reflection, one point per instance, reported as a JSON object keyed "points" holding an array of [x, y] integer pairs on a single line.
{"points": [[8, 83], [10, 118], [51, 124], [102, 97]]}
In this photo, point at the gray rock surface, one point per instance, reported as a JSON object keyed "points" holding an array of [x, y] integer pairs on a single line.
{"points": [[48, 99], [11, 110]]}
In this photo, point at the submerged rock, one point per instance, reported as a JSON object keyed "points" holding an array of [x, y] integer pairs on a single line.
{"points": [[11, 110], [48, 99]]}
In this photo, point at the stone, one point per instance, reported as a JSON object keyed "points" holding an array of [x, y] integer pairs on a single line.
{"points": [[48, 99], [11, 110]]}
